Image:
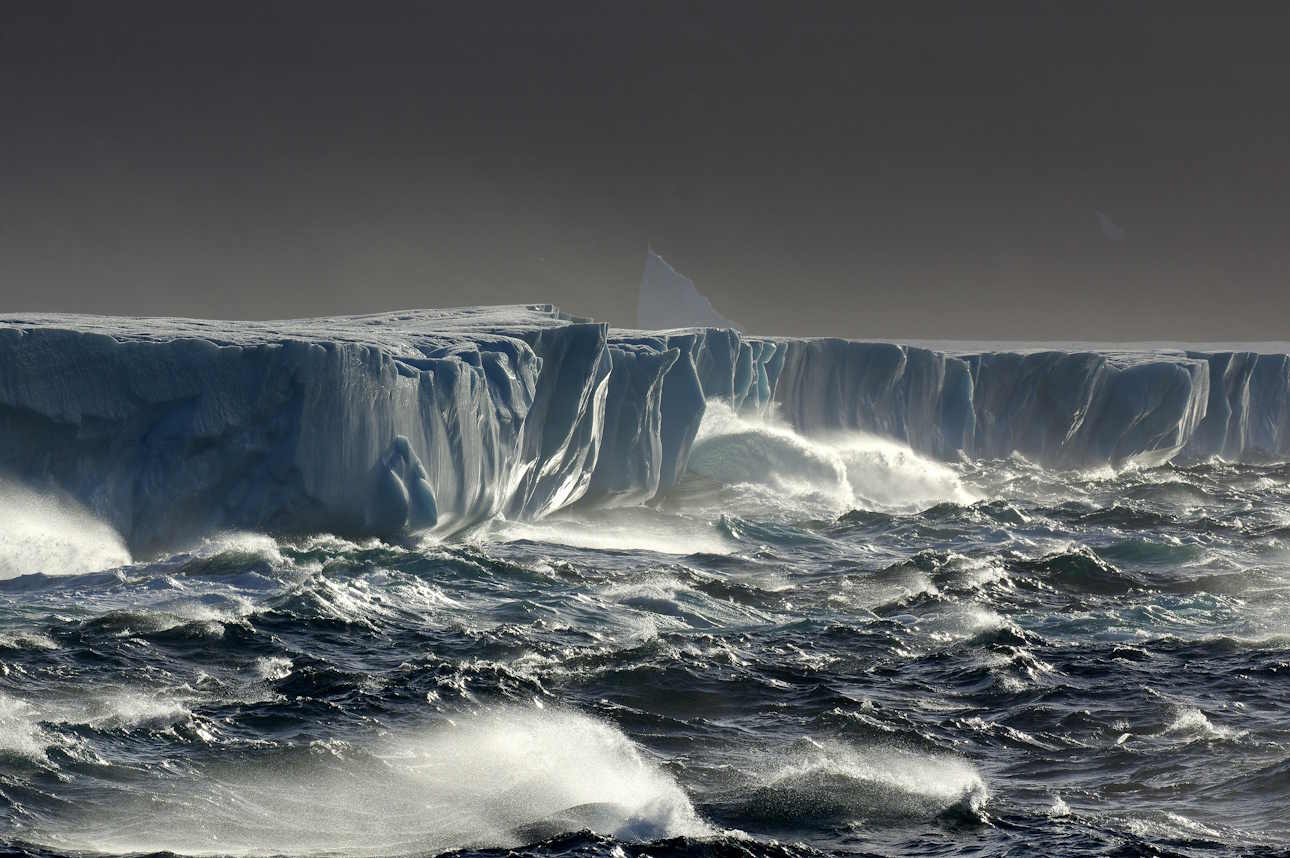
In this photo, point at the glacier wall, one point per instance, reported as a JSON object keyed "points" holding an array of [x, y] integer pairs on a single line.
{"points": [[172, 429], [435, 420], [1075, 408]]}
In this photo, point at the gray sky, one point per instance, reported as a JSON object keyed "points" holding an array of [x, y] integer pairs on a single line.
{"points": [[1030, 170]]}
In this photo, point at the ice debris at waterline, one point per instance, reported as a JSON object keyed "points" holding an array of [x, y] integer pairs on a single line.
{"points": [[435, 420]]}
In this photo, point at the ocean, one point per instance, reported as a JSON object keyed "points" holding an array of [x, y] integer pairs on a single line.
{"points": [[823, 646]]}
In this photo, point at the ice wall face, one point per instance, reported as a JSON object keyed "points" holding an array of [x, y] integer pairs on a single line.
{"points": [[562, 430], [1073, 408], [921, 397], [1248, 414], [1069, 409], [630, 467], [399, 422], [1083, 409], [170, 429]]}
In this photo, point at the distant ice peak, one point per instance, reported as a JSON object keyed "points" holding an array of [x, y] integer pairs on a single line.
{"points": [[670, 300]]}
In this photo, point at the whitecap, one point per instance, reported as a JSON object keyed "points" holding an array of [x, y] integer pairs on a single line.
{"points": [[821, 474], [1170, 825], [27, 640], [20, 732], [836, 779], [239, 542], [498, 778], [619, 529], [272, 668], [53, 534], [1190, 722], [131, 708]]}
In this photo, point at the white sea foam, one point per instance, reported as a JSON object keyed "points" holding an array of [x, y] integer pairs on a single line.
{"points": [[110, 708], [53, 534], [874, 589], [145, 709], [673, 602], [1169, 825], [500, 778], [621, 529], [124, 709], [209, 608], [874, 782], [845, 471], [1191, 723], [27, 640], [20, 732], [960, 620], [239, 542], [370, 600], [272, 668]]}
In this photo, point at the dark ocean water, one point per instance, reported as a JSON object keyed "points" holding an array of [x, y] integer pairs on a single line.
{"points": [[808, 648]]}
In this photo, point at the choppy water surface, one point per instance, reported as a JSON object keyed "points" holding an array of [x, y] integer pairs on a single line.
{"points": [[832, 647]]}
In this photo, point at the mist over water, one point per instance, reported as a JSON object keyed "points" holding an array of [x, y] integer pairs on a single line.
{"points": [[846, 471], [503, 776], [809, 644], [51, 534]]}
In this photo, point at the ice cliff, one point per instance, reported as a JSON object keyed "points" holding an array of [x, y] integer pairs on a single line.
{"points": [[434, 420]]}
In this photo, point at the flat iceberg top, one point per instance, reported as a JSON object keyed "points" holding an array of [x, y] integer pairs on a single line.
{"points": [[399, 332], [1118, 352]]}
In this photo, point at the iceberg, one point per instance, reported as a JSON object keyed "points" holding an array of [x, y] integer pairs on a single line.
{"points": [[434, 420], [669, 299], [170, 429]]}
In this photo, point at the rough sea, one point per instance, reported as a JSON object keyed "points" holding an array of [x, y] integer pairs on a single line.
{"points": [[809, 647]]}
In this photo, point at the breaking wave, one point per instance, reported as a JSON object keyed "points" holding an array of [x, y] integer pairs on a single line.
{"points": [[502, 777], [846, 471], [54, 535], [825, 780], [620, 529]]}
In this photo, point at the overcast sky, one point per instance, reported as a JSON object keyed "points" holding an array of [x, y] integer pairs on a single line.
{"points": [[983, 170]]}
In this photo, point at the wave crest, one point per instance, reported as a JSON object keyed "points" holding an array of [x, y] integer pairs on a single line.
{"points": [[831, 780], [502, 777], [54, 535], [841, 472]]}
